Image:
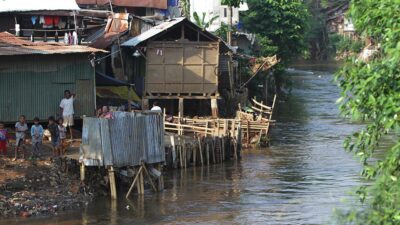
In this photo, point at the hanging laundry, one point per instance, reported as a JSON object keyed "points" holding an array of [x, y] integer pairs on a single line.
{"points": [[70, 38], [56, 20], [74, 38], [48, 22], [41, 19], [66, 38], [33, 19]]}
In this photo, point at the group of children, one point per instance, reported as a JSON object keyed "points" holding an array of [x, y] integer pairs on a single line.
{"points": [[57, 133]]}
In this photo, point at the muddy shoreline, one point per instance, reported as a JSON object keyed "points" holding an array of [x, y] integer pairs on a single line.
{"points": [[42, 186]]}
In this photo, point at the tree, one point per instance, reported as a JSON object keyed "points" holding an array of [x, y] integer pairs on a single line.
{"points": [[284, 22], [281, 27], [371, 93], [230, 4], [201, 22]]}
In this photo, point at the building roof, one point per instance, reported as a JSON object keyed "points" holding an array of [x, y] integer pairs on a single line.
{"points": [[11, 45], [37, 5], [159, 4], [153, 32]]}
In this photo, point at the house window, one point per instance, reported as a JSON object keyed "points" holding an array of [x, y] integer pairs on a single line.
{"points": [[225, 12]]}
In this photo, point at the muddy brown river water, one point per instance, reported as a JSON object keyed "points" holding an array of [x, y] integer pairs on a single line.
{"points": [[301, 179]]}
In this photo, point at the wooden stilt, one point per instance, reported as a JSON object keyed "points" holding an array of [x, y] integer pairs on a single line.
{"points": [[194, 148], [181, 109], [134, 182], [113, 187], [173, 151], [82, 169], [200, 151], [213, 149], [208, 152], [214, 108], [149, 177], [141, 186], [161, 178]]}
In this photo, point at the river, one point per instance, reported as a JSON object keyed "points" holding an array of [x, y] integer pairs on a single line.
{"points": [[300, 179]]}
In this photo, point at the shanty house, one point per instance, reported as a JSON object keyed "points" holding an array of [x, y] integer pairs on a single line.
{"points": [[181, 62], [33, 77]]}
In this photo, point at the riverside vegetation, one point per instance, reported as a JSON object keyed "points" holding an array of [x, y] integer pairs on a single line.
{"points": [[371, 93]]}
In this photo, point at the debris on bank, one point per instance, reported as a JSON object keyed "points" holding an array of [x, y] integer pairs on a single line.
{"points": [[39, 187]]}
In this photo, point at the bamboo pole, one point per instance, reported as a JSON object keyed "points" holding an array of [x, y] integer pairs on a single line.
{"points": [[149, 177], [200, 151], [134, 182], [111, 177]]}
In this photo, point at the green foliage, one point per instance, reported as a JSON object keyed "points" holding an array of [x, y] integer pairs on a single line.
{"points": [[222, 32], [233, 3], [340, 44], [371, 92], [283, 22], [201, 22]]}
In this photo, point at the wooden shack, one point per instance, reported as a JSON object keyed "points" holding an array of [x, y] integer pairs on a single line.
{"points": [[182, 62]]}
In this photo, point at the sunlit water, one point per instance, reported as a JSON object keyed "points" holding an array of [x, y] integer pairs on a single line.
{"points": [[300, 179]]}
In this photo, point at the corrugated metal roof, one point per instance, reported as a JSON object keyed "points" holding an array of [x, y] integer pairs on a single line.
{"points": [[11, 45], [37, 5], [153, 32], [159, 4]]}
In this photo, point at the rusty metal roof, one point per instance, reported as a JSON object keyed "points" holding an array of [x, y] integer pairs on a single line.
{"points": [[153, 32], [11, 45], [37, 5], [159, 4]]}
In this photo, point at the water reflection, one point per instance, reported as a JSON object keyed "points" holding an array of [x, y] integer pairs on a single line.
{"points": [[299, 180]]}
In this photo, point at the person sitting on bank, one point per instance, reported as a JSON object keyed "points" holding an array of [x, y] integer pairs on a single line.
{"points": [[67, 110], [156, 108], [105, 113]]}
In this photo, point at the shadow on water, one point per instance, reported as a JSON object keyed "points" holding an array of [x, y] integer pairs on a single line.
{"points": [[300, 179]]}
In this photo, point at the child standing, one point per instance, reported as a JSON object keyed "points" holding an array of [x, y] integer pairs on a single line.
{"points": [[55, 137], [37, 137], [63, 135], [3, 139], [20, 129]]}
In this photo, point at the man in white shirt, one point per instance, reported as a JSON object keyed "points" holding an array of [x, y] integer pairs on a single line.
{"points": [[156, 108], [67, 110]]}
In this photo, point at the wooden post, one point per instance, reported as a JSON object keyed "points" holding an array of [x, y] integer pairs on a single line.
{"points": [[82, 173], [141, 187], [200, 151], [173, 151], [113, 187], [161, 178], [181, 107], [194, 155], [214, 108], [208, 152], [248, 133], [134, 182]]}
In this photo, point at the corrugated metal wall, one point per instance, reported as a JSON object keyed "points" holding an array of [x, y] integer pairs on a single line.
{"points": [[33, 85], [126, 140]]}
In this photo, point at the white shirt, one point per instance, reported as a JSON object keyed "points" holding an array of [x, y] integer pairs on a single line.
{"points": [[68, 106], [156, 109]]}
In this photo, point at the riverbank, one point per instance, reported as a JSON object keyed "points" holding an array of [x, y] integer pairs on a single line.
{"points": [[39, 187]]}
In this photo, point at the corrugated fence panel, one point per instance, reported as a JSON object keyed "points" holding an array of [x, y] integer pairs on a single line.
{"points": [[34, 85], [126, 140], [91, 150]]}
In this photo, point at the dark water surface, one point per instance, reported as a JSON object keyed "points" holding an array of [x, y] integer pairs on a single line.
{"points": [[301, 179]]}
